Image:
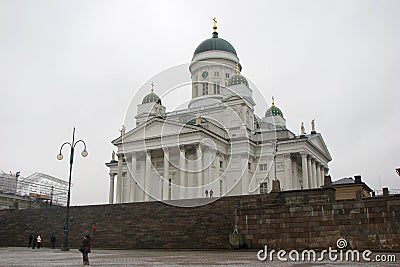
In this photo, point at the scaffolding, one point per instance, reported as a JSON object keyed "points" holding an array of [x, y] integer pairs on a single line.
{"points": [[36, 188]]}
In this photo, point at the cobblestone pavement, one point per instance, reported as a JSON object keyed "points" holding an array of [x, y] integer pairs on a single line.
{"points": [[12, 256]]}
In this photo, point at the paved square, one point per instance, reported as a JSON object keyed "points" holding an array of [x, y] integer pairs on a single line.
{"points": [[12, 256]]}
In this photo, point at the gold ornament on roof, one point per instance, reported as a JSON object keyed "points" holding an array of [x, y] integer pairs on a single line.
{"points": [[215, 24], [152, 87], [237, 69], [273, 101]]}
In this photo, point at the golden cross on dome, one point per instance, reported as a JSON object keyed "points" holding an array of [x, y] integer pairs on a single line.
{"points": [[152, 87], [237, 69], [215, 24], [273, 101]]}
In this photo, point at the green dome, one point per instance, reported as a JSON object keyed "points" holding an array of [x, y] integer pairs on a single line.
{"points": [[237, 79], [215, 43], [152, 97], [273, 111]]}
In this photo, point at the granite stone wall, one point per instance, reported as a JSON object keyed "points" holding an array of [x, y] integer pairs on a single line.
{"points": [[309, 220], [293, 219]]}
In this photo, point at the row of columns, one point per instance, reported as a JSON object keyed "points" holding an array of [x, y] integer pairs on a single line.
{"points": [[313, 172], [128, 190]]}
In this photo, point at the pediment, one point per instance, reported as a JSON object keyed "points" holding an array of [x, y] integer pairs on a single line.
{"points": [[155, 128], [318, 142]]}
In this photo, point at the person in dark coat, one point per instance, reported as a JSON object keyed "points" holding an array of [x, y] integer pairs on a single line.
{"points": [[30, 238], [34, 241], [53, 240], [85, 249]]}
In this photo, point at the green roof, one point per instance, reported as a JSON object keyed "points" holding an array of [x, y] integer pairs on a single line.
{"points": [[215, 43], [273, 111], [237, 79], [152, 97]]}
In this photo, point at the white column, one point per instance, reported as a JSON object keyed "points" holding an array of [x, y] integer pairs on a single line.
{"points": [[211, 161], [119, 180], [147, 176], [314, 173], [111, 193], [321, 169], [245, 177], [133, 179], [310, 180], [141, 179], [165, 183], [288, 183], [199, 169], [182, 172], [127, 187], [295, 178], [317, 174], [304, 170]]}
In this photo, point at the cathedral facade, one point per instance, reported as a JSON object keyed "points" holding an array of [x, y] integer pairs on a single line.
{"points": [[215, 147]]}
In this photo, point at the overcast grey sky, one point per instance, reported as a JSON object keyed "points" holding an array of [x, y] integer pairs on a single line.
{"points": [[79, 63]]}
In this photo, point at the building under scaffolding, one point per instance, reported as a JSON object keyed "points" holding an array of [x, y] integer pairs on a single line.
{"points": [[36, 190]]}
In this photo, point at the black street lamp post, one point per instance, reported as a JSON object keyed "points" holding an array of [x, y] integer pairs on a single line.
{"points": [[17, 174], [71, 162]]}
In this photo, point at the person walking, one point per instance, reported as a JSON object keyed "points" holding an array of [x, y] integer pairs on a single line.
{"points": [[211, 193], [53, 240], [94, 228], [39, 241], [85, 249], [34, 241], [30, 238]]}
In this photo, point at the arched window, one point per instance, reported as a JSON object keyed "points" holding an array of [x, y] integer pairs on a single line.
{"points": [[196, 89], [217, 88], [205, 88]]}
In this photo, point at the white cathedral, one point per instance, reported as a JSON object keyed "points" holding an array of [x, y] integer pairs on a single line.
{"points": [[217, 146]]}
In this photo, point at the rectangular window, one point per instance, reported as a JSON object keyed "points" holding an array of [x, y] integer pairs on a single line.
{"points": [[196, 89], [205, 88], [249, 166], [263, 188], [220, 188], [217, 88], [227, 75], [221, 164], [263, 167], [216, 73]]}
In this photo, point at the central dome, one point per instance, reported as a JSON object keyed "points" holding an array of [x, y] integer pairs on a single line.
{"points": [[215, 44], [152, 97]]}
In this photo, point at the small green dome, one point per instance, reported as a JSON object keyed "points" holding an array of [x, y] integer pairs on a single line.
{"points": [[215, 43], [151, 98], [237, 79], [273, 111]]}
